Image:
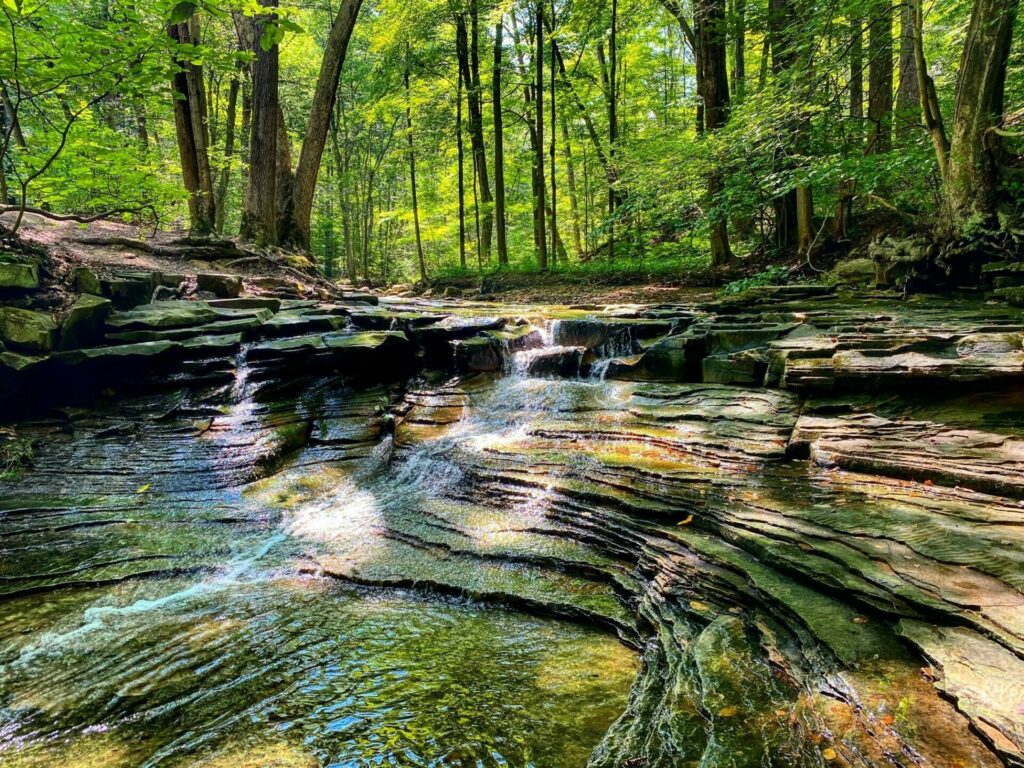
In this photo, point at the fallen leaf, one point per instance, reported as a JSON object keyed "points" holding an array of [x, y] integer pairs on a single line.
{"points": [[860, 619], [142, 488], [829, 754], [928, 482], [697, 605], [728, 712], [687, 521]]}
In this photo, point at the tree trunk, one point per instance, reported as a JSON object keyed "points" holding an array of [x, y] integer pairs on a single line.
{"points": [[412, 172], [782, 24], [467, 51], [557, 249], [229, 152], [880, 77], [972, 176], [710, 21], [499, 148], [259, 217], [570, 171], [930, 109], [191, 130], [297, 229], [542, 246], [908, 95], [739, 65], [462, 174]]}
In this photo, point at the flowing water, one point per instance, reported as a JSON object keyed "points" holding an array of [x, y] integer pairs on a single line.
{"points": [[501, 569]]}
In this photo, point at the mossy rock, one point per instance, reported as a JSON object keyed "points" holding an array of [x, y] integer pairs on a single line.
{"points": [[18, 275], [27, 330], [83, 327]]}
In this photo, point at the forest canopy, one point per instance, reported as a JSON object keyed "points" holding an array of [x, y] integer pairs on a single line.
{"points": [[402, 139]]}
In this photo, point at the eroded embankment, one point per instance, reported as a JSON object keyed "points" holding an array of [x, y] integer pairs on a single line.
{"points": [[802, 509]]}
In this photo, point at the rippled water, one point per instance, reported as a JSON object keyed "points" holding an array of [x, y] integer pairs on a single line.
{"points": [[260, 659]]}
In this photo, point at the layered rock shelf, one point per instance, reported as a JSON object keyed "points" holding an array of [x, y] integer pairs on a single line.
{"points": [[802, 509]]}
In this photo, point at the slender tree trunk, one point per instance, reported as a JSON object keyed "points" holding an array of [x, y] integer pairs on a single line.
{"points": [[570, 171], [229, 152], [412, 172], [297, 230], [12, 117], [557, 249], [462, 175], [259, 217], [467, 50], [739, 65], [880, 77], [542, 246], [781, 28], [930, 109], [191, 130], [499, 148]]}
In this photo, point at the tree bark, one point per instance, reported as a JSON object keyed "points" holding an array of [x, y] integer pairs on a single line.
{"points": [[229, 152], [782, 24], [930, 109], [499, 148], [972, 176], [298, 228], [462, 175], [908, 95], [190, 127], [880, 78], [259, 217], [574, 209], [710, 23], [739, 65]]}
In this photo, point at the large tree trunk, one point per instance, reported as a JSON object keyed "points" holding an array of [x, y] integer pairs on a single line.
{"points": [[499, 148], [190, 127], [880, 77], [711, 32], [908, 95], [781, 27], [259, 216], [739, 65], [306, 172], [972, 175]]}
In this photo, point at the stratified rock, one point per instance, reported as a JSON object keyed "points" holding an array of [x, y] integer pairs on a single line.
{"points": [[561, 362], [855, 272], [27, 330], [223, 286], [743, 368], [18, 275], [83, 326], [249, 302], [675, 358], [86, 281], [126, 292], [163, 314], [985, 679]]}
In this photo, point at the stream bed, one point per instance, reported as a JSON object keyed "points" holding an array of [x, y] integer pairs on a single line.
{"points": [[536, 566]]}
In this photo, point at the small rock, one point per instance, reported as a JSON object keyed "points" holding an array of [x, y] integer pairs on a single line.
{"points": [[451, 292], [222, 285], [85, 281]]}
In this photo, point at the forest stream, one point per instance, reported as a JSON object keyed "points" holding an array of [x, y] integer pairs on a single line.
{"points": [[552, 537]]}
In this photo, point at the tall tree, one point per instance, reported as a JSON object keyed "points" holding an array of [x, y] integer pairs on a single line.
{"points": [[259, 215], [880, 77], [190, 123], [499, 146], [412, 170], [542, 245], [711, 31]]}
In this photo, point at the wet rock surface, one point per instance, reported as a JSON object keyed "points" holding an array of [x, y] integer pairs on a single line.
{"points": [[800, 510]]}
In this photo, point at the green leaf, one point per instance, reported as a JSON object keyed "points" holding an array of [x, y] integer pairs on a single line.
{"points": [[272, 35]]}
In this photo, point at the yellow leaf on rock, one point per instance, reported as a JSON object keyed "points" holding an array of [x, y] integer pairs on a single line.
{"points": [[698, 606], [143, 488], [829, 754], [728, 712], [687, 521]]}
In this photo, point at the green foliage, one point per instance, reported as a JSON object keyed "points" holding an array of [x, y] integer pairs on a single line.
{"points": [[774, 275]]}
